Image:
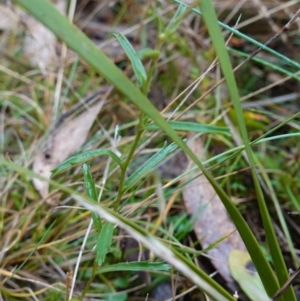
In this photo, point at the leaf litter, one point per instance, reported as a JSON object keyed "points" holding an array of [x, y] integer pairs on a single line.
{"points": [[213, 227], [64, 139]]}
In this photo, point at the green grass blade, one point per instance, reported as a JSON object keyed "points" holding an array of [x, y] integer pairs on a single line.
{"points": [[192, 127], [292, 197], [266, 63], [90, 188], [279, 212], [260, 262], [135, 266]]}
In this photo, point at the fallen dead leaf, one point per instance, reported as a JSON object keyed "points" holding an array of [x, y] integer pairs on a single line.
{"points": [[39, 42], [212, 223], [245, 274], [61, 143], [8, 18]]}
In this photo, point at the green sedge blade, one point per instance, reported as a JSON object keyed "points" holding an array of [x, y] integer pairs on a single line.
{"points": [[90, 188]]}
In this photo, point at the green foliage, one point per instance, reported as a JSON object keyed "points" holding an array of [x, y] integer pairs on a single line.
{"points": [[261, 264], [176, 20], [84, 157], [92, 194], [104, 242], [139, 266], [137, 65], [125, 192], [149, 165], [192, 127]]}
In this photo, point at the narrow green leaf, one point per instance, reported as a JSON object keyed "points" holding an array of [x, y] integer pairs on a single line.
{"points": [[104, 242], [137, 65], [192, 127], [90, 188], [148, 166], [89, 182], [269, 64], [177, 18], [84, 157], [135, 266]]}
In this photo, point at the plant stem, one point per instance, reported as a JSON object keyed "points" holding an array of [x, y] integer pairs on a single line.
{"points": [[87, 286], [127, 161], [144, 89]]}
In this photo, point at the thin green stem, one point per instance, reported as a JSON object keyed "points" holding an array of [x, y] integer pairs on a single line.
{"points": [[87, 286], [127, 161], [144, 89], [151, 70]]}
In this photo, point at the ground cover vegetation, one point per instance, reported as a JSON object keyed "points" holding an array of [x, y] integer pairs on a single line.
{"points": [[152, 152]]}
